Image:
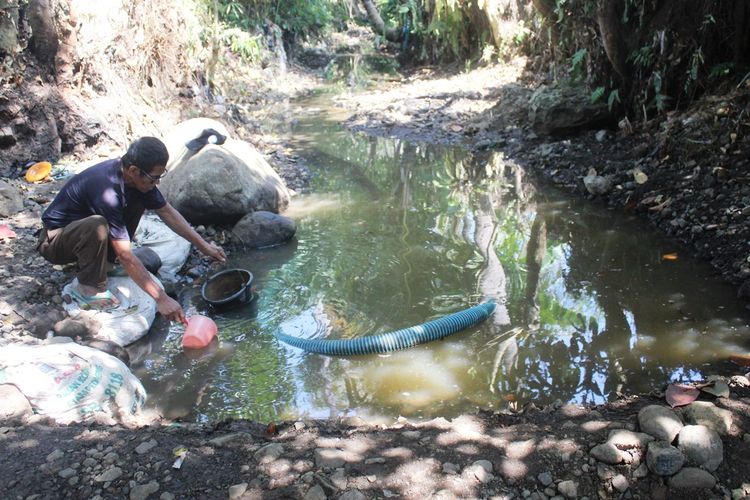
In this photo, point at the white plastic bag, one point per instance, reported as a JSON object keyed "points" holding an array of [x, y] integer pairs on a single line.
{"points": [[126, 324], [72, 383], [172, 248]]}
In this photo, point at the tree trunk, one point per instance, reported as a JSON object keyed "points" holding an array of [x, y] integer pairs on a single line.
{"points": [[545, 7], [213, 59], [741, 32], [67, 54], [44, 42], [614, 45], [391, 34], [8, 27]]}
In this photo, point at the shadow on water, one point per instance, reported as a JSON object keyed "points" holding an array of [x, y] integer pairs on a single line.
{"points": [[402, 233]]}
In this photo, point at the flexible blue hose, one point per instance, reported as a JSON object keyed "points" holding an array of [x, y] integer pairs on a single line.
{"points": [[399, 339]]}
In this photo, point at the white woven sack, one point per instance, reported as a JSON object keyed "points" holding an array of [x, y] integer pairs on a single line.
{"points": [[72, 383], [126, 324]]}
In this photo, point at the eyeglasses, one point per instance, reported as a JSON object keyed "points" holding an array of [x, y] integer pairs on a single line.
{"points": [[151, 177]]}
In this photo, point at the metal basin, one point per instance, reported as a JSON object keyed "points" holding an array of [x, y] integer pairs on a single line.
{"points": [[228, 287]]}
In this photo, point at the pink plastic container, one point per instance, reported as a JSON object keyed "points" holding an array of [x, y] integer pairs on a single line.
{"points": [[200, 331]]}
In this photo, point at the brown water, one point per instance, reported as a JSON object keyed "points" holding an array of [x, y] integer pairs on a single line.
{"points": [[591, 304]]}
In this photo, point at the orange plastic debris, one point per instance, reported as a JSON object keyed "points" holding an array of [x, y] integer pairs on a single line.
{"points": [[38, 171], [669, 256]]}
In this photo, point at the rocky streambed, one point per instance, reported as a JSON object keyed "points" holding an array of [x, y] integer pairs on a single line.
{"points": [[634, 448]]}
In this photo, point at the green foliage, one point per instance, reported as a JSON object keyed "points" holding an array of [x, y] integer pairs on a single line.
{"points": [[407, 13], [721, 70], [445, 30], [643, 57], [664, 54], [614, 98], [577, 66], [597, 94], [522, 34], [298, 18], [247, 46], [304, 18]]}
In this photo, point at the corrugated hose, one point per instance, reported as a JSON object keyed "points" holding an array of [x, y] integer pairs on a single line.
{"points": [[396, 340]]}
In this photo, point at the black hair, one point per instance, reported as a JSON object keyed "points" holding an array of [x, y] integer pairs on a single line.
{"points": [[146, 153]]}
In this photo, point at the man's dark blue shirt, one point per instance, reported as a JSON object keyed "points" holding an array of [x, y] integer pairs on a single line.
{"points": [[99, 190]]}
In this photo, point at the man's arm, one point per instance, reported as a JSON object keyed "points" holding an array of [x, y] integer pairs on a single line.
{"points": [[166, 305], [179, 225]]}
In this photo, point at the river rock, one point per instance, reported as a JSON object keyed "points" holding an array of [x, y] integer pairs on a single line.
{"points": [[596, 184], [269, 453], [660, 422], [620, 483], [111, 348], [701, 446], [263, 229], [708, 414], [663, 459], [545, 478], [315, 493], [353, 495], [109, 475], [11, 201], [143, 491], [692, 478], [568, 489], [608, 453], [221, 184], [329, 457], [149, 258], [564, 109], [15, 407], [83, 327], [315, 57], [145, 446], [625, 439], [237, 490], [481, 469]]}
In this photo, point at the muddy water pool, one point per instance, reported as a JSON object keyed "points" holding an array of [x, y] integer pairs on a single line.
{"points": [[591, 304]]}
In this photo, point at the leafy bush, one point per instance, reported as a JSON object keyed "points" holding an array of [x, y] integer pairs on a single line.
{"points": [[653, 54], [299, 19]]}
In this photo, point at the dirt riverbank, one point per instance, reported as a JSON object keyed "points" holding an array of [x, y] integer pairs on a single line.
{"points": [[696, 191]]}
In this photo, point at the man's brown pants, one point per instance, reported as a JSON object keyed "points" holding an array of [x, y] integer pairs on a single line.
{"points": [[86, 241]]}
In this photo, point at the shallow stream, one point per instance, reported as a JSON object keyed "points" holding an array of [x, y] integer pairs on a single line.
{"points": [[591, 303]]}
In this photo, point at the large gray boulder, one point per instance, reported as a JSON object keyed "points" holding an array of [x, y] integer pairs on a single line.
{"points": [[263, 229], [221, 184], [566, 109]]}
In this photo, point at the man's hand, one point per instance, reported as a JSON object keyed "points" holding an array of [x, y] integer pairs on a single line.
{"points": [[215, 252], [179, 225], [170, 309]]}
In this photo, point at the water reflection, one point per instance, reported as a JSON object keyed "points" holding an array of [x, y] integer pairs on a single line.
{"points": [[403, 233]]}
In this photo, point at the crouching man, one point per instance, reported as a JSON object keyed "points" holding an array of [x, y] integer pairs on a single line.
{"points": [[93, 218]]}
